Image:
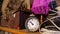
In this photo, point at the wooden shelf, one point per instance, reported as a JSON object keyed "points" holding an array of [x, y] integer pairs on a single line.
{"points": [[15, 31]]}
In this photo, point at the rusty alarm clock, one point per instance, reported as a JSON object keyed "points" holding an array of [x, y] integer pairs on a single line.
{"points": [[32, 23]]}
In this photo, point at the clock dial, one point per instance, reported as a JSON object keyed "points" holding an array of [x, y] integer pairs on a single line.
{"points": [[33, 24]]}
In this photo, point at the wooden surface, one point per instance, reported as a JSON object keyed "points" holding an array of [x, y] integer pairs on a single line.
{"points": [[24, 31]]}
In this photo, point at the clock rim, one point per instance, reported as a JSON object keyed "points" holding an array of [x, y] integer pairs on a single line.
{"points": [[26, 22]]}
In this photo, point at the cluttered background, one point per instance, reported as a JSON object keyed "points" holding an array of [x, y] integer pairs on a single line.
{"points": [[15, 13]]}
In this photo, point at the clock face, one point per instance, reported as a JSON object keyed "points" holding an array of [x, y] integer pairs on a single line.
{"points": [[33, 24]]}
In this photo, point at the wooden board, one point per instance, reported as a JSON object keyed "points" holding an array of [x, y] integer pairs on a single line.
{"points": [[15, 31]]}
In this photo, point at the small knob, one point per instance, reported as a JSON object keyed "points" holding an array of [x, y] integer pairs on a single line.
{"points": [[32, 15]]}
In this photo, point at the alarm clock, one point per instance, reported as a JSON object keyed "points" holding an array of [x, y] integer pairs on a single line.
{"points": [[32, 23]]}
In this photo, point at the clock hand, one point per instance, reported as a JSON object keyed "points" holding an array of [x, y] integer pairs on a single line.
{"points": [[31, 23]]}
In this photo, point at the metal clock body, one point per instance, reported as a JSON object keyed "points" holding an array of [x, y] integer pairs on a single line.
{"points": [[32, 24]]}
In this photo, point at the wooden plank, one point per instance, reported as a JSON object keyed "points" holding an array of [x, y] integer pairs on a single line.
{"points": [[24, 31], [12, 30]]}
